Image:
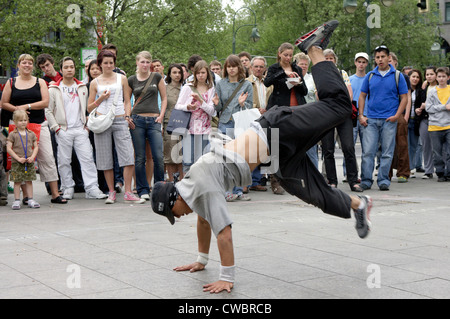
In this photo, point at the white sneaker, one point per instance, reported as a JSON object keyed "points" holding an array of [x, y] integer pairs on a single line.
{"points": [[16, 205], [230, 197], [33, 204], [95, 193], [145, 196], [244, 197], [111, 198], [68, 193]]}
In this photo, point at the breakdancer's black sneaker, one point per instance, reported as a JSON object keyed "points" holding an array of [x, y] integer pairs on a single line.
{"points": [[362, 217], [319, 37]]}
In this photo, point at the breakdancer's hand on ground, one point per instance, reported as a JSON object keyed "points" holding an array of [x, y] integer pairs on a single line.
{"points": [[191, 267], [218, 286]]}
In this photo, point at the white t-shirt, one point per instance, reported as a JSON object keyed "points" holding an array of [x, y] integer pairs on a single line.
{"points": [[115, 88], [71, 105]]}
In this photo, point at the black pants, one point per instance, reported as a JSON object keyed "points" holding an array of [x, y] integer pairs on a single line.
{"points": [[300, 128], [345, 132]]}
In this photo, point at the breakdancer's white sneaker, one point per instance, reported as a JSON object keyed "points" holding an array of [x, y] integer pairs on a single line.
{"points": [[319, 37], [362, 217]]}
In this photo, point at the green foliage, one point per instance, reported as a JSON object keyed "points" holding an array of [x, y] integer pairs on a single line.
{"points": [[24, 25], [170, 30], [173, 30], [405, 31]]}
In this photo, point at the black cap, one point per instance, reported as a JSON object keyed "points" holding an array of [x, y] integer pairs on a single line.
{"points": [[164, 196]]}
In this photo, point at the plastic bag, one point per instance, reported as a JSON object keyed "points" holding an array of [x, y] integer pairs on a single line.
{"points": [[243, 119]]}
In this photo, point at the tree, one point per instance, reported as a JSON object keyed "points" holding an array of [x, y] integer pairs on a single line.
{"points": [[171, 30], [405, 31], [25, 26]]}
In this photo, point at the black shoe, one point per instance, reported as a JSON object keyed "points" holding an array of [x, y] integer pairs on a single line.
{"points": [[420, 170], [384, 187], [319, 37], [118, 188], [362, 217], [442, 179], [357, 188]]}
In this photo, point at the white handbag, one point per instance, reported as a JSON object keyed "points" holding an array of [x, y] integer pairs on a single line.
{"points": [[98, 123]]}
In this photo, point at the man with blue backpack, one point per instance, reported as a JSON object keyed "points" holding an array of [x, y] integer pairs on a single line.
{"points": [[386, 103]]}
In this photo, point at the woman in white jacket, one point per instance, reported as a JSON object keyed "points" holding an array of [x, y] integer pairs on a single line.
{"points": [[66, 115]]}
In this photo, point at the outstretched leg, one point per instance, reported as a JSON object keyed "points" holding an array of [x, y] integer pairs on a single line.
{"points": [[301, 127]]}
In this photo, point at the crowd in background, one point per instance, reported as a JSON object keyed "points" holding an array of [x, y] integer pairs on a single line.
{"points": [[401, 118]]}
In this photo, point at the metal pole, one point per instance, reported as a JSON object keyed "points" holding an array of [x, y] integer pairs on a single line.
{"points": [[369, 66], [234, 21]]}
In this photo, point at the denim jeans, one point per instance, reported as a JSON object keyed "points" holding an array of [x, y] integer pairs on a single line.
{"points": [[147, 129], [378, 132], [413, 142], [256, 176], [194, 146], [314, 155], [228, 129]]}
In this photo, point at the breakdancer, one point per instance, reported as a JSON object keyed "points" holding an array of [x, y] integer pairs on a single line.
{"points": [[230, 163]]}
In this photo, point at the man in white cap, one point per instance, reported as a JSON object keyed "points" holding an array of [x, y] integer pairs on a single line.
{"points": [[356, 80], [361, 63]]}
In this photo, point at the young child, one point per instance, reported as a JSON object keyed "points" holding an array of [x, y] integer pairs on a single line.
{"points": [[23, 147], [438, 108], [3, 181]]}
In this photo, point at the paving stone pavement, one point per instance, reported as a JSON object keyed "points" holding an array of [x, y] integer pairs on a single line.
{"points": [[284, 249]]}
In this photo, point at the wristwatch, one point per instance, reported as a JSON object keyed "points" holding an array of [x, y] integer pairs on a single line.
{"points": [[29, 107]]}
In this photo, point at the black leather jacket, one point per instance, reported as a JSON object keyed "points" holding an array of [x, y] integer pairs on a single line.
{"points": [[281, 95]]}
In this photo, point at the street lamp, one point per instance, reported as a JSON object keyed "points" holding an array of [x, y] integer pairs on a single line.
{"points": [[350, 7], [436, 47], [255, 33]]}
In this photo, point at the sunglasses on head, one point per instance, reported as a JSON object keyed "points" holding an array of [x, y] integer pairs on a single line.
{"points": [[380, 47]]}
